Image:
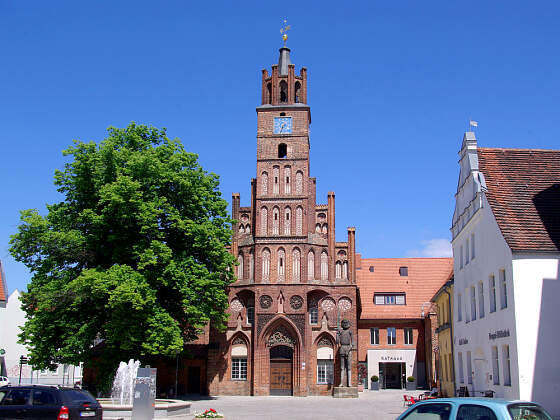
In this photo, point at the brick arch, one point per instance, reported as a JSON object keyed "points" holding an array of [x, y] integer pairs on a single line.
{"points": [[325, 335], [262, 353], [240, 335], [278, 321]]}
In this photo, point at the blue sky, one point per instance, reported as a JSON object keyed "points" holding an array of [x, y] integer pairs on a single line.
{"points": [[392, 86]]}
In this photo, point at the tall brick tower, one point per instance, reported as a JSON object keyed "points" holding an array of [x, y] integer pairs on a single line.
{"points": [[294, 281]]}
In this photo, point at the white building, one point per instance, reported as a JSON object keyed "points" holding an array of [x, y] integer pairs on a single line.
{"points": [[506, 247], [11, 321]]}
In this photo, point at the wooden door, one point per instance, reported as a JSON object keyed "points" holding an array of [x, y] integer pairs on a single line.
{"points": [[280, 377]]}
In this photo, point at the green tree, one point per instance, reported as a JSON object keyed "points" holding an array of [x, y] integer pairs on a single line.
{"points": [[135, 255]]}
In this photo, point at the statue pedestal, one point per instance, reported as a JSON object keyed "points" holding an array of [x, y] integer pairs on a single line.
{"points": [[345, 392]]}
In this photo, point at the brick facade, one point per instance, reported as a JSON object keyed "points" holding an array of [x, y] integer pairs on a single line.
{"points": [[292, 274]]}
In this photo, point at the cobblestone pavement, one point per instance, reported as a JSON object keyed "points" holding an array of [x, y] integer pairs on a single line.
{"points": [[376, 405]]}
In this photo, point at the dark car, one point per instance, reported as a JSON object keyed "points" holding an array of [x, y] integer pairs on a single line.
{"points": [[43, 402]]}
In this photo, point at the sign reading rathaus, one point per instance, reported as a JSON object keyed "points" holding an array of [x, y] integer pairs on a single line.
{"points": [[295, 283]]}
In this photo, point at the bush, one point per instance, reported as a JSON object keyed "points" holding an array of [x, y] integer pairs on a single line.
{"points": [[410, 379], [374, 378]]}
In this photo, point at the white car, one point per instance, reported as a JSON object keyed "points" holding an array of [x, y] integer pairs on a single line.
{"points": [[4, 381]]}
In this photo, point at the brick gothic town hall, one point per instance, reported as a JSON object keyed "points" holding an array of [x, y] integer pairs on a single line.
{"points": [[294, 279], [295, 282]]}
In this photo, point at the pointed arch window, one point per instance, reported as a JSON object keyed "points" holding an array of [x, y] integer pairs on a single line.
{"points": [[297, 93], [269, 93], [311, 265], [241, 229], [324, 266], [275, 221], [251, 265], [283, 91], [299, 182], [266, 264], [240, 266], [281, 265], [318, 228], [296, 264], [345, 270], [264, 221], [287, 221], [338, 270], [276, 180], [324, 229], [264, 183], [299, 221], [287, 179]]}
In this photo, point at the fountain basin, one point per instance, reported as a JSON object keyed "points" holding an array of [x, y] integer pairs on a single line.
{"points": [[165, 408]]}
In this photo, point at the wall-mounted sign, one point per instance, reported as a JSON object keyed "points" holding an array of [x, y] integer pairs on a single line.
{"points": [[498, 334], [392, 358], [463, 341]]}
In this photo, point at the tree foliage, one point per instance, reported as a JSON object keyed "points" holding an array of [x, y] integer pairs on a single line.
{"points": [[135, 255]]}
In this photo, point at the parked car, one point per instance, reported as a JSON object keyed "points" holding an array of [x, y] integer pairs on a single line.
{"points": [[475, 409], [4, 381], [48, 403]]}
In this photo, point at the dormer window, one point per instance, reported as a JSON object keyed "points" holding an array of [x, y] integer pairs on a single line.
{"points": [[403, 271]]}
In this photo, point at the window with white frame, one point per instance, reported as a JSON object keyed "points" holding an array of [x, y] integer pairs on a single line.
{"points": [[250, 315], [391, 335], [472, 246], [325, 371], [473, 303], [408, 336], [374, 336], [503, 290], [492, 292], [390, 299], [506, 365], [481, 300], [469, 367], [460, 367], [239, 368], [495, 366]]}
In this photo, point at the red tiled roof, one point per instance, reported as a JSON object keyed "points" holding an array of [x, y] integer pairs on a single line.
{"points": [[524, 193], [425, 277], [3, 287]]}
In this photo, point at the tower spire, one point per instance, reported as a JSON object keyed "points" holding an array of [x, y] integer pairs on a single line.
{"points": [[284, 59]]}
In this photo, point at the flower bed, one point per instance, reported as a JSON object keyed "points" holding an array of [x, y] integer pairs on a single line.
{"points": [[209, 414]]}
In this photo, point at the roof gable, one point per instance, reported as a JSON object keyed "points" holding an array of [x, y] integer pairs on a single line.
{"points": [[523, 189]]}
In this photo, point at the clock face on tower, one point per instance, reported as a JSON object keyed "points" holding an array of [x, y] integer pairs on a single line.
{"points": [[282, 125]]}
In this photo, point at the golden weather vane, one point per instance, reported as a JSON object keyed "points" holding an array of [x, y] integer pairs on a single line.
{"points": [[284, 31]]}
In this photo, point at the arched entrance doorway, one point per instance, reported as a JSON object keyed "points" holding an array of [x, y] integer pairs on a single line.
{"points": [[281, 378]]}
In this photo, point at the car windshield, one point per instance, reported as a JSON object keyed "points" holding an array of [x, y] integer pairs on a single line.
{"points": [[430, 412], [527, 412], [78, 395]]}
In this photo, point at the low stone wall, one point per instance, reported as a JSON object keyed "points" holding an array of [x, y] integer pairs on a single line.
{"points": [[175, 409]]}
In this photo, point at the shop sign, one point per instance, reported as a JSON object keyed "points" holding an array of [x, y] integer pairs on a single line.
{"points": [[498, 334], [391, 358]]}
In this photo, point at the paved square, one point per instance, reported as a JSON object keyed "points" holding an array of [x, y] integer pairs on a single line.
{"points": [[377, 405]]}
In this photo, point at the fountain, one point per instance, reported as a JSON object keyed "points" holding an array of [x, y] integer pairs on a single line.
{"points": [[119, 406], [123, 384]]}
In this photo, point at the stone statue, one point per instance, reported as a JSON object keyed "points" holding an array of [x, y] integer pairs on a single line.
{"points": [[344, 339]]}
